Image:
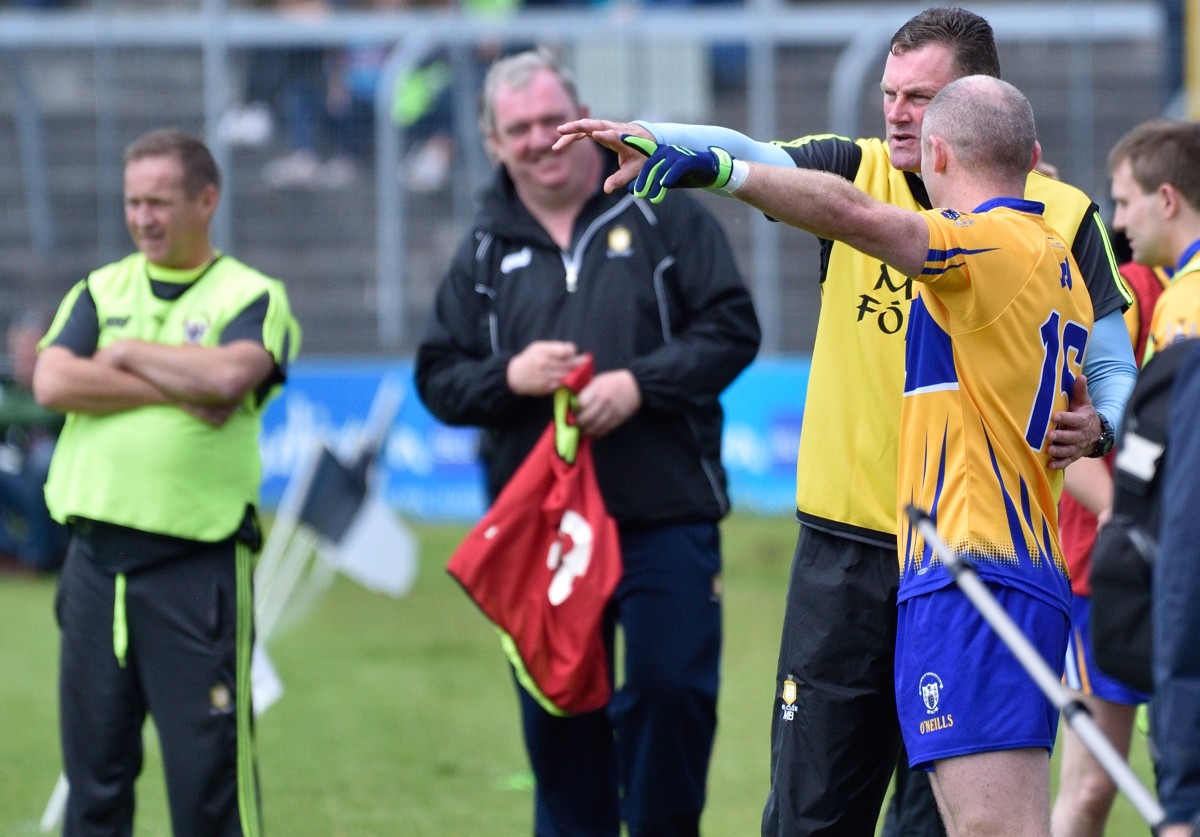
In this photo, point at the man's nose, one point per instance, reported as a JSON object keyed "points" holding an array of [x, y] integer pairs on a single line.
{"points": [[138, 216], [543, 135]]}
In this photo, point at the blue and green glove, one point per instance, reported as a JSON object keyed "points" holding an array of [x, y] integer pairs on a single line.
{"points": [[673, 166]]}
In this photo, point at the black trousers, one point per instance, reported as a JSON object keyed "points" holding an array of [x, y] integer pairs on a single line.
{"points": [[912, 811], [834, 731], [172, 640], [835, 737]]}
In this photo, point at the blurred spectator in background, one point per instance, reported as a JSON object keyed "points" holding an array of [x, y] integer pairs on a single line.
{"points": [[424, 100], [322, 100], [1085, 789], [315, 109], [424, 109], [272, 76], [1175, 714], [29, 539]]}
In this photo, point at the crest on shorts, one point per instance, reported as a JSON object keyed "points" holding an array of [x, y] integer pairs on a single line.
{"points": [[931, 691], [789, 691]]}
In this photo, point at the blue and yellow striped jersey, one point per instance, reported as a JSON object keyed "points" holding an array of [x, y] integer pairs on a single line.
{"points": [[846, 470], [996, 337]]}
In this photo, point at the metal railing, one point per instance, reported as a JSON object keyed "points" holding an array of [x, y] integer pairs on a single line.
{"points": [[860, 29]]}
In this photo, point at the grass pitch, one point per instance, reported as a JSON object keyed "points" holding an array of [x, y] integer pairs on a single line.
{"points": [[399, 717]]}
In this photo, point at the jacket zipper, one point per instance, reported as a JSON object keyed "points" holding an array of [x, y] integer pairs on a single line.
{"points": [[573, 259]]}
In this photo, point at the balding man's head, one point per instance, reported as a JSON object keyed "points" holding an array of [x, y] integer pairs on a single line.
{"points": [[988, 124]]}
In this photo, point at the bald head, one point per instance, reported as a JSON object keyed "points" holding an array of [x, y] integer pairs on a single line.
{"points": [[987, 123]]}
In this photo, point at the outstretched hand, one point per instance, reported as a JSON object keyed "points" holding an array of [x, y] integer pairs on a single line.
{"points": [[1077, 430], [671, 166], [608, 134]]}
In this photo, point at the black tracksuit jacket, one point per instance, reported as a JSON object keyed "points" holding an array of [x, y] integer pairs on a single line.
{"points": [[653, 289]]}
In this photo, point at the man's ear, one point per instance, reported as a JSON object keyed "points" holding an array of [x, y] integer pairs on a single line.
{"points": [[940, 152], [210, 196], [1036, 157], [489, 145], [1170, 198]]}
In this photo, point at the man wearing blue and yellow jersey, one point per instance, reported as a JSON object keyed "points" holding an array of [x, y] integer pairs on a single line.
{"points": [[996, 339], [831, 757], [163, 363], [1155, 171]]}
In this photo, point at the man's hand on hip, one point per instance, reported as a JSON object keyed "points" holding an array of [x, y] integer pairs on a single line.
{"points": [[1075, 431]]}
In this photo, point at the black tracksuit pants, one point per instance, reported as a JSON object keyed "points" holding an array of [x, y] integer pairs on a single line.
{"points": [[173, 640]]}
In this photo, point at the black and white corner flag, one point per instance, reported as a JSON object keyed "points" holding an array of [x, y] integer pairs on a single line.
{"points": [[360, 535]]}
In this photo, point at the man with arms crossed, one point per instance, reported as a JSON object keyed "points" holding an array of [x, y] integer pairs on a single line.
{"points": [[996, 338], [163, 363], [834, 729]]}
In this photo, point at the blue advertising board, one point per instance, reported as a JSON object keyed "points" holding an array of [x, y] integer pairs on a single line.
{"points": [[430, 470]]}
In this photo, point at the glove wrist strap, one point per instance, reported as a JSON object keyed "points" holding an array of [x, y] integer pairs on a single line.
{"points": [[737, 176]]}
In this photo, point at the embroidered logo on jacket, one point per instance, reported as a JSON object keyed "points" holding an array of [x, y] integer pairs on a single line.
{"points": [[516, 261], [620, 243]]}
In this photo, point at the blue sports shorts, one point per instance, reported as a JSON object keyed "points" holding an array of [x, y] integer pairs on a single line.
{"points": [[1083, 674], [959, 689]]}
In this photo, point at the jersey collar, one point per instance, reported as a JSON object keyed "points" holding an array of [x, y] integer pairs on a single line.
{"points": [[1188, 255], [1016, 204]]}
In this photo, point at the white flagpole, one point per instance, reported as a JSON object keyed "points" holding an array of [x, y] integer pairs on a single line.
{"points": [[55, 806]]}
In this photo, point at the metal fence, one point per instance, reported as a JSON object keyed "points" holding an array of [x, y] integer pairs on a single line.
{"points": [[75, 85]]}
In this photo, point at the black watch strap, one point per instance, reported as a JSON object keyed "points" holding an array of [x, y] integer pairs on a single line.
{"points": [[1106, 441]]}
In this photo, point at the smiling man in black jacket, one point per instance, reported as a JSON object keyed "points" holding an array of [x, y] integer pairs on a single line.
{"points": [[555, 268]]}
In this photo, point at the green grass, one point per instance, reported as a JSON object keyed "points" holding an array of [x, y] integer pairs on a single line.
{"points": [[399, 716]]}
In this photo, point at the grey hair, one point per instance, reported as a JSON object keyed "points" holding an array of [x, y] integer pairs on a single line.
{"points": [[514, 72]]}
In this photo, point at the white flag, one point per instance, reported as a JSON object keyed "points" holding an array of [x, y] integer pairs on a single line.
{"points": [[265, 686], [377, 550]]}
